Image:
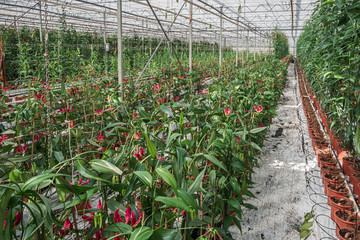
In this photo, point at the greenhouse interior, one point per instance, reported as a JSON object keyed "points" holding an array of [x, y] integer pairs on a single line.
{"points": [[180, 119]]}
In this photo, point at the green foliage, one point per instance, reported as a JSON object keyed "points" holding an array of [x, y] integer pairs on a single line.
{"points": [[280, 44], [186, 165], [328, 51]]}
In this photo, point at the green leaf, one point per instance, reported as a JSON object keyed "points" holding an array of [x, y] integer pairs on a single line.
{"points": [[215, 161], [85, 172], [20, 158], [9, 131], [196, 184], [181, 154], [143, 113], [174, 202], [61, 194], [235, 185], [142, 233], [36, 180], [239, 9], [250, 206], [5, 198], [257, 130], [93, 143], [306, 225], [212, 178], [118, 227], [168, 177], [151, 147], [145, 177], [254, 145], [173, 136], [357, 139], [59, 156], [188, 199], [164, 234], [328, 2], [104, 166], [167, 110], [304, 233], [234, 203]]}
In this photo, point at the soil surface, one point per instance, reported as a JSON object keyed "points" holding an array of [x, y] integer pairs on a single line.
{"points": [[288, 183]]}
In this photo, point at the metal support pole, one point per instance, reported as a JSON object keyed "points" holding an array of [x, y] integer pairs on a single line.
{"points": [[119, 41], [220, 43], [142, 38], [190, 37], [40, 17], [105, 44], [247, 45], [255, 48], [237, 41]]}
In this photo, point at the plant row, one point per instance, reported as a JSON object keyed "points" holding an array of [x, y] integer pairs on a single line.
{"points": [[69, 50], [329, 53], [332, 168], [172, 159]]}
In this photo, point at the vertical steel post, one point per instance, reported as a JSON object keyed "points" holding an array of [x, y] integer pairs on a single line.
{"points": [[105, 44], [255, 47], [119, 40], [220, 43], [40, 18], [142, 38], [247, 45], [190, 37], [237, 41]]}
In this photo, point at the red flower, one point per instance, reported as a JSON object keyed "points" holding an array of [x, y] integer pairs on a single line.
{"points": [[5, 89], [66, 109], [80, 183], [100, 137], [99, 112], [162, 159], [261, 125], [258, 108], [140, 154], [37, 96], [90, 219], [3, 138], [227, 111], [157, 87], [18, 219], [37, 138], [67, 225], [129, 217], [20, 149], [161, 100]]}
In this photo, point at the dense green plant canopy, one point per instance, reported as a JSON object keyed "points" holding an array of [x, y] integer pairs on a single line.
{"points": [[69, 50], [280, 44], [145, 166], [329, 52]]}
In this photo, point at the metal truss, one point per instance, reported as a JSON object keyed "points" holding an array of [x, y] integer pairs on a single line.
{"points": [[257, 18]]}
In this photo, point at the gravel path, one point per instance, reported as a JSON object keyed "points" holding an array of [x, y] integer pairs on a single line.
{"points": [[282, 191]]}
